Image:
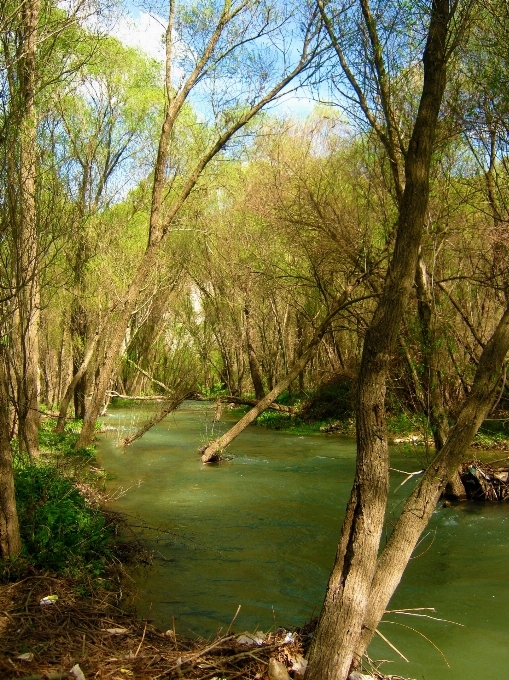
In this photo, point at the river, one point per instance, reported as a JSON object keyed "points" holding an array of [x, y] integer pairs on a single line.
{"points": [[261, 531]]}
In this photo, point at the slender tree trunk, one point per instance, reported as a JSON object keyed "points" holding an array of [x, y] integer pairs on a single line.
{"points": [[334, 647], [254, 366], [10, 541], [26, 241], [166, 409], [422, 501], [64, 406]]}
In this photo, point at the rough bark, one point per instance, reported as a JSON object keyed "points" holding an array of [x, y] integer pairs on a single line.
{"points": [[213, 450], [422, 501], [335, 643], [26, 235], [10, 541]]}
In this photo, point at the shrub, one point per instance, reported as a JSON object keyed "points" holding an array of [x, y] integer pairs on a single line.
{"points": [[59, 530]]}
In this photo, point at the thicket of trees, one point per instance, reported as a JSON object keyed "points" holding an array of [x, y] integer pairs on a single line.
{"points": [[162, 231]]}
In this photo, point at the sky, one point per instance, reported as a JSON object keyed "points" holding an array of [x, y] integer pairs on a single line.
{"points": [[145, 30]]}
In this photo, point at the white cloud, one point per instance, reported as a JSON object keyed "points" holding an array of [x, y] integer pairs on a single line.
{"points": [[145, 32], [294, 106]]}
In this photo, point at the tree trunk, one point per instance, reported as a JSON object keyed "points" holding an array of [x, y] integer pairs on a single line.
{"points": [[10, 541], [168, 408], [422, 501], [334, 648], [254, 366], [76, 379], [213, 450], [26, 237]]}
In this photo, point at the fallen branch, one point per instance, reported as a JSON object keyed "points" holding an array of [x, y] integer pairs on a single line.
{"points": [[134, 397], [168, 408], [147, 375], [212, 451], [252, 402]]}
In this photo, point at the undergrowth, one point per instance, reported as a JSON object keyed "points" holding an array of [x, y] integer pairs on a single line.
{"points": [[63, 529]]}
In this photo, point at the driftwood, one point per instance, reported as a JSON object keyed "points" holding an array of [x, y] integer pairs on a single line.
{"points": [[253, 402], [133, 397], [165, 410]]}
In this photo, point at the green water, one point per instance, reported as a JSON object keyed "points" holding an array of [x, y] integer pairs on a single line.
{"points": [[261, 531]]}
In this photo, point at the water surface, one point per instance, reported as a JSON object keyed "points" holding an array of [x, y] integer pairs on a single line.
{"points": [[261, 531]]}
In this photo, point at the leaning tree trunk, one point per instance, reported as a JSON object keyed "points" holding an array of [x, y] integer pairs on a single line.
{"points": [[422, 501], [10, 541], [80, 372], [212, 451], [334, 647], [168, 408]]}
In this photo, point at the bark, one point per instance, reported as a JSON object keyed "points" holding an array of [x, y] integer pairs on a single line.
{"points": [[26, 236], [168, 408], [75, 380], [213, 450], [10, 541], [334, 648], [254, 366], [422, 501]]}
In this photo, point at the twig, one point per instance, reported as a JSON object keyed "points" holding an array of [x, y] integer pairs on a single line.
{"points": [[195, 656]]}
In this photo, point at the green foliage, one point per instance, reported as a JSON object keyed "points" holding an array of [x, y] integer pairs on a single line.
{"points": [[59, 530], [493, 434], [331, 400]]}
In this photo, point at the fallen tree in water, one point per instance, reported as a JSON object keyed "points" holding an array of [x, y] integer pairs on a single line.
{"points": [[213, 450], [172, 405]]}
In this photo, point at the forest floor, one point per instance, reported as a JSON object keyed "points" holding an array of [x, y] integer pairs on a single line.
{"points": [[95, 636]]}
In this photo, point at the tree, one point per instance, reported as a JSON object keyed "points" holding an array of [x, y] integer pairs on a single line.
{"points": [[335, 645], [231, 31]]}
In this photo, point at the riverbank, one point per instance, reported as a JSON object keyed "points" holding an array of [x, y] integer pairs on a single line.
{"points": [[79, 637]]}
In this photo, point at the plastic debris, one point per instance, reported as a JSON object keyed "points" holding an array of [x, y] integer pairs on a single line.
{"points": [[252, 639], [49, 599], [299, 665], [27, 656], [117, 631], [77, 672], [289, 639], [277, 670]]}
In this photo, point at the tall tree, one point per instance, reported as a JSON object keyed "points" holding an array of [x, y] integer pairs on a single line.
{"points": [[334, 648], [232, 31]]}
